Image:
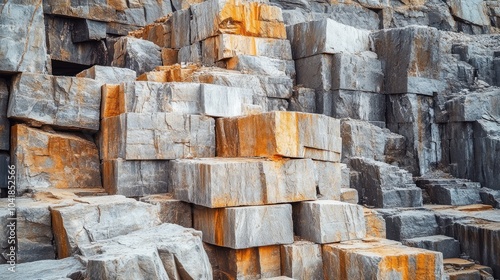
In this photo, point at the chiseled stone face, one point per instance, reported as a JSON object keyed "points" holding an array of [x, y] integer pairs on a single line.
{"points": [[302, 260], [4, 121], [287, 134], [49, 159]]}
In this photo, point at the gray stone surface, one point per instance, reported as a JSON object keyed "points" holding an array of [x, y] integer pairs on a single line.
{"points": [[68, 268], [382, 185], [362, 72], [166, 251], [327, 221], [4, 121], [22, 37], [359, 105], [108, 75], [472, 11], [88, 30], [98, 218], [64, 102], [315, 72], [234, 227], [449, 247], [451, 191], [226, 182], [486, 145], [411, 58], [261, 65], [135, 178], [349, 195], [328, 177], [302, 260], [474, 106], [221, 101], [4, 173], [490, 197], [180, 36], [331, 37], [303, 100], [136, 54], [411, 224], [152, 136], [171, 210]]}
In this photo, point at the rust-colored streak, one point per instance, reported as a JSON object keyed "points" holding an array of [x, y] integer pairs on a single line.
{"points": [[219, 215], [60, 235]]}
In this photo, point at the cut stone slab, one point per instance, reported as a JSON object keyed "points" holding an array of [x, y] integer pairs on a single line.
{"points": [[328, 177], [171, 210], [251, 263], [359, 105], [315, 72], [22, 37], [136, 54], [411, 224], [47, 269], [234, 227], [261, 65], [85, 30], [180, 36], [4, 173], [331, 37], [228, 45], [383, 185], [452, 191], [4, 121], [225, 182], [135, 178], [490, 197], [411, 57], [166, 251], [380, 259], [98, 218], [449, 247], [108, 74], [375, 223], [303, 100], [249, 18], [360, 72], [473, 11], [302, 260], [49, 159], [486, 144], [65, 102], [221, 101], [152, 136], [473, 106], [288, 134], [349, 195], [327, 221]]}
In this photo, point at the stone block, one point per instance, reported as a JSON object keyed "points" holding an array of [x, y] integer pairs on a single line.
{"points": [[159, 33], [4, 121], [261, 65], [490, 197], [65, 102], [288, 134], [250, 263], [22, 37], [327, 221], [49, 159], [315, 72], [383, 185], [47, 269], [108, 74], [303, 100], [473, 106], [136, 54], [328, 177], [191, 53], [153, 136], [171, 210], [98, 218], [486, 144], [471, 11], [411, 224], [4, 173], [226, 182], [359, 105], [166, 251], [411, 57], [88, 30], [226, 46], [380, 259], [452, 191], [375, 223], [222, 101], [302, 260], [449, 247], [349, 195], [135, 178], [180, 36], [331, 37], [248, 18], [234, 227], [359, 72], [184, 4], [170, 56]]}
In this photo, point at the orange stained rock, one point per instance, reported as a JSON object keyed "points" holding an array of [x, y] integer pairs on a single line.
{"points": [[60, 236], [219, 216], [110, 104], [169, 56], [421, 64]]}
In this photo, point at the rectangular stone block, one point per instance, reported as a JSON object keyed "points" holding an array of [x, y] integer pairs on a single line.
{"points": [[98, 218], [171, 210], [65, 102], [303, 100], [251, 263], [474, 106], [4, 121], [302, 260], [288, 134], [375, 223], [249, 18], [359, 105], [22, 37], [189, 54], [50, 159], [170, 56], [221, 101], [349, 195], [452, 191], [228, 45], [136, 54], [4, 173], [328, 177], [135, 178], [234, 227], [152, 136], [331, 37], [315, 72], [225, 182], [411, 224], [380, 259], [411, 57], [261, 65], [180, 36], [327, 221], [449, 247], [360, 72], [88, 30], [108, 74]]}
